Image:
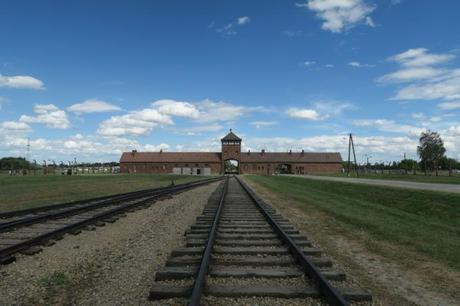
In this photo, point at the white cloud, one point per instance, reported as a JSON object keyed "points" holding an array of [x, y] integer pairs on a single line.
{"points": [[198, 130], [449, 105], [262, 124], [292, 33], [227, 29], [339, 15], [93, 106], [15, 126], [411, 74], [445, 88], [85, 148], [135, 123], [370, 22], [321, 110], [177, 108], [21, 81], [243, 20], [329, 66], [223, 111], [381, 147], [309, 63], [390, 126], [420, 57], [359, 65], [332, 109], [230, 28], [303, 113], [142, 122], [48, 114], [425, 82]]}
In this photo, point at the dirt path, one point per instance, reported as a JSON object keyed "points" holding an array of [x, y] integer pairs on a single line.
{"points": [[389, 183], [394, 275]]}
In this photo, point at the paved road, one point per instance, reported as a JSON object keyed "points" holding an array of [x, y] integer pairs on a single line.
{"points": [[390, 183]]}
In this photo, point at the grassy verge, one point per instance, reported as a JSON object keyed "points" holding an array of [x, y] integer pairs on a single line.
{"points": [[425, 222], [21, 192], [455, 179]]}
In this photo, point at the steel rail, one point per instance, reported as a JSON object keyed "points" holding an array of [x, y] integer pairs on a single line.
{"points": [[33, 210], [331, 294], [91, 206], [8, 251], [200, 278]]}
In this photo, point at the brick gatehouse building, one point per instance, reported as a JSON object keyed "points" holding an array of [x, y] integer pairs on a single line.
{"points": [[230, 160]]}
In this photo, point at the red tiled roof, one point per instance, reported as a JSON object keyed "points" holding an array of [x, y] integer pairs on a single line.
{"points": [[231, 136], [280, 157], [171, 157]]}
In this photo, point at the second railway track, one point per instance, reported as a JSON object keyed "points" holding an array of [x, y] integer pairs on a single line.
{"points": [[26, 230], [240, 247]]}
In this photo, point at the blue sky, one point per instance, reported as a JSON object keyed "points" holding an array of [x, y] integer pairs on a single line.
{"points": [[89, 79]]}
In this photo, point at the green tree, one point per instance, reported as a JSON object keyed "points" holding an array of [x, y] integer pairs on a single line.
{"points": [[14, 163], [408, 165], [449, 164], [431, 150]]}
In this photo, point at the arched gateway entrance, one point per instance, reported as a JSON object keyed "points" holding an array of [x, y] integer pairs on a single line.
{"points": [[231, 166]]}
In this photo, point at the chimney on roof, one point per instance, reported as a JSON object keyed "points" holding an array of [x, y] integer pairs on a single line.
{"points": [[290, 152], [263, 151], [249, 151], [133, 152], [303, 151], [161, 151]]}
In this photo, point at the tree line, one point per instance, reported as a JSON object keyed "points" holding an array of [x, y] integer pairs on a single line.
{"points": [[20, 163]]}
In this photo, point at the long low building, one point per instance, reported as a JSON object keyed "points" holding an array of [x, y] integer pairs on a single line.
{"points": [[230, 160]]}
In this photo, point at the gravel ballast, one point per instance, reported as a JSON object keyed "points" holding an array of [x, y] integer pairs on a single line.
{"points": [[112, 265]]}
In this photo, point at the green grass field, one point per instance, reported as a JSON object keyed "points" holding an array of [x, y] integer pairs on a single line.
{"points": [[420, 178], [425, 222], [21, 192]]}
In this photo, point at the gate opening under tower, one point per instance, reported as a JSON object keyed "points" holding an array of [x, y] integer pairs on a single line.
{"points": [[231, 166]]}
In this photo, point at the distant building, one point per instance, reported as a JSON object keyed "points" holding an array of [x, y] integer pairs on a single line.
{"points": [[230, 160]]}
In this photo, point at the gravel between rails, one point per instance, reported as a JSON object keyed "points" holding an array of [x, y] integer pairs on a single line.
{"points": [[113, 265]]}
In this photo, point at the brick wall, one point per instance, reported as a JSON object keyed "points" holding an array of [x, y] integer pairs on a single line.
{"points": [[166, 168], [216, 168], [305, 168]]}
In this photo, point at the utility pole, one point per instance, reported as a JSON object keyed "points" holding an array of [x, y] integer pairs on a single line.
{"points": [[28, 149], [351, 147], [349, 155]]}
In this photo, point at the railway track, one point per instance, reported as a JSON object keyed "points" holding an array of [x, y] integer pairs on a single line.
{"points": [[240, 247], [26, 230]]}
